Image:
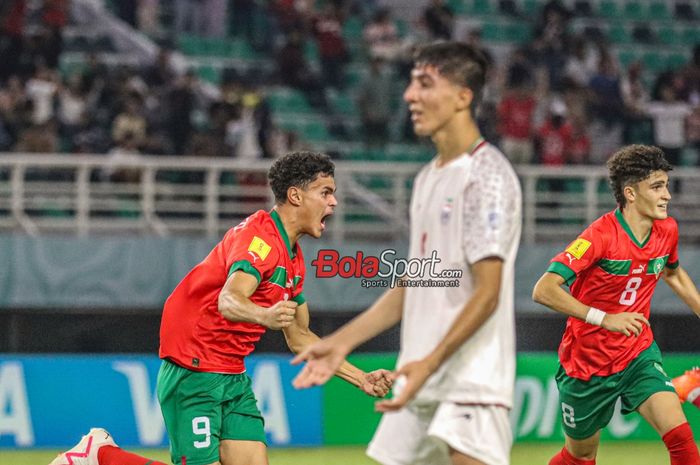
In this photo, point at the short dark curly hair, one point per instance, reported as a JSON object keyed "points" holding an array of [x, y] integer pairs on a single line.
{"points": [[297, 169], [634, 163]]}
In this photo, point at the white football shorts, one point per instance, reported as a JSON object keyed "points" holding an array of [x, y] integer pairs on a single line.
{"points": [[423, 435]]}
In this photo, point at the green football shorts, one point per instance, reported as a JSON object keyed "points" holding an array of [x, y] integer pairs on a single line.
{"points": [[200, 409], [588, 406]]}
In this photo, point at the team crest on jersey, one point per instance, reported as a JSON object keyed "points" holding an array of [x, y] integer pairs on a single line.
{"points": [[578, 248], [259, 247], [446, 211]]}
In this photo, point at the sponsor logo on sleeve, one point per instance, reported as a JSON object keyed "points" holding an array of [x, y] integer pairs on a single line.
{"points": [[259, 247], [578, 248]]}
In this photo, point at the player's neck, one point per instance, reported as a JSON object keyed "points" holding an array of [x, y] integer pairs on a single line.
{"points": [[639, 224], [290, 224], [455, 139]]}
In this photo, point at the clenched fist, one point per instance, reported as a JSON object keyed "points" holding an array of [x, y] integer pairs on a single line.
{"points": [[280, 315]]}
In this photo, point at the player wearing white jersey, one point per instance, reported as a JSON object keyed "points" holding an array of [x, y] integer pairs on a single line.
{"points": [[457, 356]]}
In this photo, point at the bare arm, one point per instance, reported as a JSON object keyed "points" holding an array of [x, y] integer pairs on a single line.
{"points": [[235, 304], [382, 315], [327, 355], [682, 284], [299, 336], [548, 292]]}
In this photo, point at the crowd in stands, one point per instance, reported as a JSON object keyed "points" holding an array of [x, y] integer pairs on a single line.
{"points": [[560, 98]]}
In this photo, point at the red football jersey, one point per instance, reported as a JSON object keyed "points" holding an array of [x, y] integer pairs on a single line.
{"points": [[193, 334], [607, 268]]}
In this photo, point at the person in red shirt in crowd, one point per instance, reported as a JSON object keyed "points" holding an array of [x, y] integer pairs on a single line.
{"points": [[608, 350], [251, 281], [554, 136], [515, 120], [328, 29]]}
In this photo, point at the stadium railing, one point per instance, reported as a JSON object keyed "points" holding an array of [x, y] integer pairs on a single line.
{"points": [[102, 194]]}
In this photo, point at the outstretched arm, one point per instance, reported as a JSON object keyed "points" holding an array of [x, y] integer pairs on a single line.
{"points": [[684, 287], [326, 356], [548, 292], [299, 336]]}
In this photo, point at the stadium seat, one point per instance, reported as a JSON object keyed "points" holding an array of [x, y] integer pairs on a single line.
{"points": [[634, 11], [531, 8], [668, 35], [608, 9], [315, 131], [618, 34], [352, 28], [653, 61], [659, 11], [482, 7], [209, 73], [626, 57], [676, 61]]}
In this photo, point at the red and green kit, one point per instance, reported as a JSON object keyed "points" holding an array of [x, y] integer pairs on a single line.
{"points": [[606, 267], [193, 333]]}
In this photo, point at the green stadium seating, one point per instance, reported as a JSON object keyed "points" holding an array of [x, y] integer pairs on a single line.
{"points": [[209, 73], [658, 11], [288, 101], [618, 34], [668, 35], [676, 61], [634, 11], [653, 62], [531, 8], [482, 7], [608, 9]]}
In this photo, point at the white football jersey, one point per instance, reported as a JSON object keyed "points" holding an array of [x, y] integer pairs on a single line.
{"points": [[467, 210]]}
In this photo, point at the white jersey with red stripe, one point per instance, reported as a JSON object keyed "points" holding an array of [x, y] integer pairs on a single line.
{"points": [[465, 211]]}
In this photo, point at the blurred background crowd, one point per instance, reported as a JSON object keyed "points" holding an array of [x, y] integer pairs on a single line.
{"points": [[570, 81]]}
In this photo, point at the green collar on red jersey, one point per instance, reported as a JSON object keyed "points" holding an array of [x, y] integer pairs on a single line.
{"points": [[283, 232], [628, 230]]}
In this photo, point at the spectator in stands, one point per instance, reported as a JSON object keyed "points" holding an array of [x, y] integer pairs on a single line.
{"points": [[579, 150], [130, 122], [38, 138], [188, 17], [328, 30], [554, 136], [381, 36], [607, 109], [668, 113], [693, 130], [42, 91], [516, 112], [214, 17], [12, 14], [439, 19], [294, 70], [581, 63], [72, 107], [634, 92], [180, 102], [375, 104], [147, 17], [126, 151]]}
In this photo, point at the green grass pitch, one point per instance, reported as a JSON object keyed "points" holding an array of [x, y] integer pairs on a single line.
{"points": [[611, 453]]}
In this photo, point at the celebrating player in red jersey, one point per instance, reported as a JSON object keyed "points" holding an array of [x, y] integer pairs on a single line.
{"points": [[608, 350], [251, 281]]}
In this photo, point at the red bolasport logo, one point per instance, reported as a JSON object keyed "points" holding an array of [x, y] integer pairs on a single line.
{"points": [[386, 270]]}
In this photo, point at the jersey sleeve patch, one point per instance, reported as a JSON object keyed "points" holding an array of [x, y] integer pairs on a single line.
{"points": [[299, 298], [259, 247], [578, 248]]}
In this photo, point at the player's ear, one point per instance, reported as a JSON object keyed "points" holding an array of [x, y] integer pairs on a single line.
{"points": [[630, 193], [294, 196], [466, 96]]}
